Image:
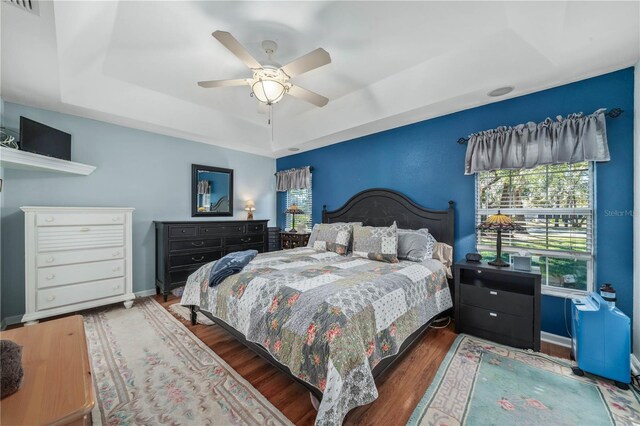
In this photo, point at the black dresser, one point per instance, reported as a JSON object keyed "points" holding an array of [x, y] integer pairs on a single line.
{"points": [[499, 304], [274, 238], [183, 247]]}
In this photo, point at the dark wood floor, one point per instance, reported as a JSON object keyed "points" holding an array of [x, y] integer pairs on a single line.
{"points": [[400, 389]]}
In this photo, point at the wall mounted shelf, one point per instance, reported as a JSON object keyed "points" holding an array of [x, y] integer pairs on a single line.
{"points": [[16, 159]]}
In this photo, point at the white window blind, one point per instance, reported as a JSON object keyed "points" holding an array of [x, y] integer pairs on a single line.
{"points": [[555, 206], [302, 198]]}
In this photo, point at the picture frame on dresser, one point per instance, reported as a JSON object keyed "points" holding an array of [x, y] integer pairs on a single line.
{"points": [[76, 258]]}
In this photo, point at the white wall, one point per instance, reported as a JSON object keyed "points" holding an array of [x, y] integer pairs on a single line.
{"points": [[636, 218]]}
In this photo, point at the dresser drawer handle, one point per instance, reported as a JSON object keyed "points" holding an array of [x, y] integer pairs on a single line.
{"points": [[116, 287], [51, 259], [115, 268], [184, 230], [479, 271], [206, 230], [493, 314], [115, 218], [51, 298], [200, 244], [51, 276], [117, 253], [493, 293], [49, 219], [245, 240], [85, 229], [197, 259]]}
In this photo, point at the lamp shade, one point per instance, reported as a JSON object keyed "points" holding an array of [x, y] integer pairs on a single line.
{"points": [[249, 206], [500, 222], [294, 209]]}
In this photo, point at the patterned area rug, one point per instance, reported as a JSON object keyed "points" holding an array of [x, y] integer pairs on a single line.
{"points": [[150, 369], [480, 382]]}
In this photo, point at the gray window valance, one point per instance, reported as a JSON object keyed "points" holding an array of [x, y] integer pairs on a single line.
{"points": [[293, 179], [567, 140]]}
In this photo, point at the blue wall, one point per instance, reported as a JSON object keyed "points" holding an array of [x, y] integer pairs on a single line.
{"points": [[147, 171], [424, 162]]}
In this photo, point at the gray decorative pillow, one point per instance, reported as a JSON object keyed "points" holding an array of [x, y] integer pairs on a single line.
{"points": [[376, 243], [332, 237], [415, 245], [342, 226]]}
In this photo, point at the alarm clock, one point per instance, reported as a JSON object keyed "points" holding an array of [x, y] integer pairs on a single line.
{"points": [[473, 257]]}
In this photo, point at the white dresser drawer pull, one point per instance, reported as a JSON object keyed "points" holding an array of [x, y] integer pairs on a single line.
{"points": [[115, 218], [51, 298], [493, 314], [115, 268], [493, 293], [117, 253], [85, 229], [479, 271], [116, 287], [51, 259], [51, 276], [49, 219]]}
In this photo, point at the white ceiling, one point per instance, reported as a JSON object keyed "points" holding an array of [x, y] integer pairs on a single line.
{"points": [[137, 63]]}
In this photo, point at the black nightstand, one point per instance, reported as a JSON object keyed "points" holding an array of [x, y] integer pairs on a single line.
{"points": [[499, 304], [289, 240]]}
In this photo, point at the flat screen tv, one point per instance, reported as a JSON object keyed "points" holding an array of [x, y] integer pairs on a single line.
{"points": [[41, 139]]}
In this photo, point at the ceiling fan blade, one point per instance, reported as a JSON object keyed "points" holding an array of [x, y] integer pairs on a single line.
{"points": [[263, 108], [308, 95], [308, 62], [236, 48], [222, 83]]}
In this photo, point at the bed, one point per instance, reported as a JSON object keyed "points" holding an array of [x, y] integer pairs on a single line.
{"points": [[334, 323]]}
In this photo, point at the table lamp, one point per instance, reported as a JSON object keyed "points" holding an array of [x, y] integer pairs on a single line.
{"points": [[250, 208], [499, 222], [293, 210]]}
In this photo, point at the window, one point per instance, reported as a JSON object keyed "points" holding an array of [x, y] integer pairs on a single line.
{"points": [[301, 198], [555, 205]]}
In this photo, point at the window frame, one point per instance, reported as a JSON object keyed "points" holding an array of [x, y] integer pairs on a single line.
{"points": [[288, 217], [590, 257]]}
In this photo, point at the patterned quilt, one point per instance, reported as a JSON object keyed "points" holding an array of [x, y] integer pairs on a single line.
{"points": [[329, 318]]}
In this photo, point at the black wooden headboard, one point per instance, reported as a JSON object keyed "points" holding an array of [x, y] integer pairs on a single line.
{"points": [[380, 207]]}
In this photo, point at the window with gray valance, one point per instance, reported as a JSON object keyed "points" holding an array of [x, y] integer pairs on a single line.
{"points": [[572, 139], [293, 179]]}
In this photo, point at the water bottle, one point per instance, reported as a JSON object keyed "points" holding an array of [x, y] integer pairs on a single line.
{"points": [[608, 293]]}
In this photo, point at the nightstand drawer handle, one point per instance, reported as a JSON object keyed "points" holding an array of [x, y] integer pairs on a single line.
{"points": [[493, 293], [493, 314], [198, 244], [197, 259]]}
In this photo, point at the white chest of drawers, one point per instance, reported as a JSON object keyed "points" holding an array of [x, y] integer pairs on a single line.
{"points": [[76, 258]]}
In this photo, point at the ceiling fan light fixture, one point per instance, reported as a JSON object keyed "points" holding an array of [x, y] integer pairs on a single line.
{"points": [[268, 91]]}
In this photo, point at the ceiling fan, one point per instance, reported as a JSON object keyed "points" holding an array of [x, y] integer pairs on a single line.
{"points": [[270, 82]]}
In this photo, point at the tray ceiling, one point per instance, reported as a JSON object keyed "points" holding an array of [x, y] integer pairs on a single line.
{"points": [[137, 63]]}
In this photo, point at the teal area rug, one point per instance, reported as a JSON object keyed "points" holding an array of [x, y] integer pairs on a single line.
{"points": [[483, 383]]}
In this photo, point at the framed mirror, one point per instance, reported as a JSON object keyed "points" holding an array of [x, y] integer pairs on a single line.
{"points": [[211, 191]]}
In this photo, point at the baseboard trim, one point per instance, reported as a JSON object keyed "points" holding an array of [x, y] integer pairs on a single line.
{"points": [[635, 365], [555, 339], [7, 321], [17, 319], [145, 293]]}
